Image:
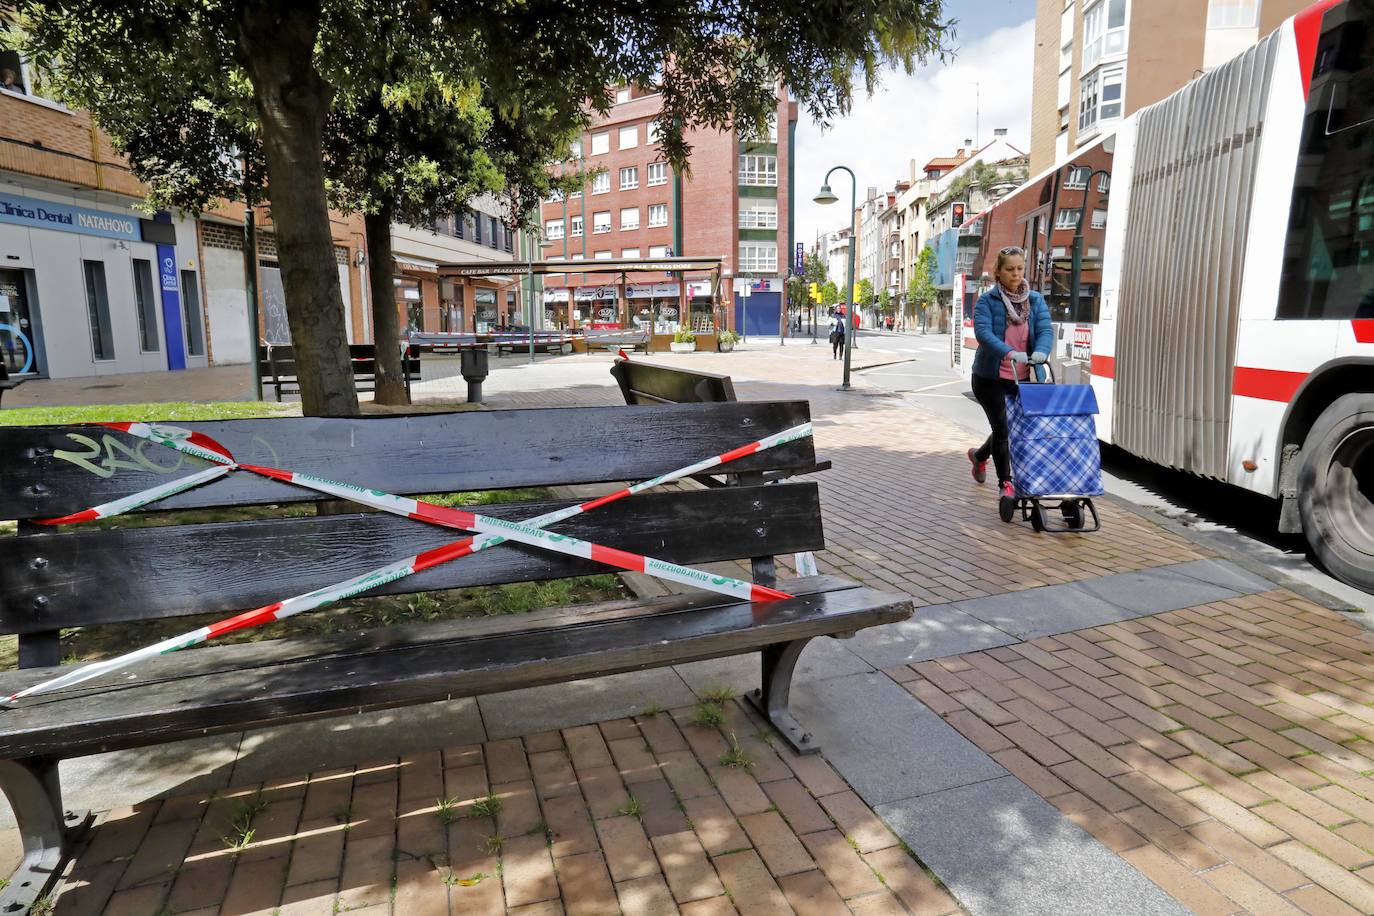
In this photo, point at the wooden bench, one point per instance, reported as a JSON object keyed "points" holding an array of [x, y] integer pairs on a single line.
{"points": [[7, 383], [617, 340], [277, 365], [94, 577], [441, 341], [648, 383], [519, 341]]}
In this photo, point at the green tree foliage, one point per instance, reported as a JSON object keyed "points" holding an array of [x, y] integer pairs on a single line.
{"points": [[190, 89], [920, 290], [865, 292], [830, 293], [815, 269], [884, 301]]}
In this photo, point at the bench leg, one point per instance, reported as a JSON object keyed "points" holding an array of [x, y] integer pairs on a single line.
{"points": [[779, 661], [49, 832]]}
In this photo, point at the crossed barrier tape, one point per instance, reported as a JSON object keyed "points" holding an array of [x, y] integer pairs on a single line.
{"points": [[492, 532]]}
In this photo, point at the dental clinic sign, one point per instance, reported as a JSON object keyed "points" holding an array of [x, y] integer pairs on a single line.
{"points": [[47, 214]]}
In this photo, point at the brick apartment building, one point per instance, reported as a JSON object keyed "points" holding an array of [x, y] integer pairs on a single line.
{"points": [[736, 204], [1097, 61]]}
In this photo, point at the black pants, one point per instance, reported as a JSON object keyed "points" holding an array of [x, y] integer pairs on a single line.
{"points": [[991, 394], [836, 344]]}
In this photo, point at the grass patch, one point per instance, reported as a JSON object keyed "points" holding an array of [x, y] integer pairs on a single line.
{"points": [[708, 714], [736, 757], [718, 695], [241, 828], [486, 807], [175, 410], [633, 809], [446, 809]]}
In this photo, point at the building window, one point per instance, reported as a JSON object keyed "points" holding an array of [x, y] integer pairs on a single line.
{"points": [[555, 197], [602, 256], [601, 143], [758, 213], [1104, 31], [575, 226], [147, 306], [190, 310], [575, 149], [574, 195], [769, 134], [98, 310], [601, 184], [1078, 178], [658, 251], [758, 257], [658, 173], [629, 252], [658, 214], [629, 137], [629, 218], [758, 170], [493, 232], [1099, 98], [601, 222], [20, 77], [1099, 219], [1233, 14], [579, 257], [1104, 183], [629, 178], [622, 95], [553, 229], [508, 239], [1067, 218], [1066, 40]]}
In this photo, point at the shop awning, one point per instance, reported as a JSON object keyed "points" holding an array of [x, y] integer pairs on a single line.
{"points": [[403, 262]]}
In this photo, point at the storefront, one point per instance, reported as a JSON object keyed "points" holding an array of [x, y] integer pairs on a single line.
{"points": [[597, 306], [88, 288], [701, 306], [485, 313], [654, 306], [556, 308]]}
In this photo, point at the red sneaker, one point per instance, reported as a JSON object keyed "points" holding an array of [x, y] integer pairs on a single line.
{"points": [[1006, 501], [980, 468]]}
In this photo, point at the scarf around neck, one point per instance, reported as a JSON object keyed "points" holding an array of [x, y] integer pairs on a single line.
{"points": [[1017, 302]]}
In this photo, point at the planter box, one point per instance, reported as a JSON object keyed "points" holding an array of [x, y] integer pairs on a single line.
{"points": [[682, 347]]}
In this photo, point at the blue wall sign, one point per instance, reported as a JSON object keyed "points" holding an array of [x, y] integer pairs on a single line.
{"points": [[47, 214], [171, 307], [799, 267]]}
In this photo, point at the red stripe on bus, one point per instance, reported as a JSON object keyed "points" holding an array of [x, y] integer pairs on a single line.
{"points": [[1267, 384], [1308, 26], [1104, 366], [1364, 330]]}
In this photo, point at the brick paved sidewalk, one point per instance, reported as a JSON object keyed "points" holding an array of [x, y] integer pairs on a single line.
{"points": [[655, 815], [1226, 750]]}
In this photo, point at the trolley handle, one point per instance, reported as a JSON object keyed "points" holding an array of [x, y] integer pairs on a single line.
{"points": [[1048, 365]]}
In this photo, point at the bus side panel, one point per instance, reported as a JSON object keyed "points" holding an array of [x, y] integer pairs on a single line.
{"points": [[1182, 274]]}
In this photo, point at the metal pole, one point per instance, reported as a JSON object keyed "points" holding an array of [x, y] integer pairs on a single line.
{"points": [[250, 277], [849, 278]]}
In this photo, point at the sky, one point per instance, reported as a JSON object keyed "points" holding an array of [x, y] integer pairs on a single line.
{"points": [[929, 113]]}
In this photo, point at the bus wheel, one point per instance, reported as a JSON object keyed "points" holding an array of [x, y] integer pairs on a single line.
{"points": [[1336, 489]]}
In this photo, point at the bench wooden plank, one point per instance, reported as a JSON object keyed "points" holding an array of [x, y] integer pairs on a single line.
{"points": [[152, 710], [647, 383], [54, 470], [96, 576]]}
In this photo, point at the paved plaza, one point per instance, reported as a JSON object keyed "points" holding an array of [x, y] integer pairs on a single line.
{"points": [[1125, 722]]}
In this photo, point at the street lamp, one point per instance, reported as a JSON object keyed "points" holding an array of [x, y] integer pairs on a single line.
{"points": [[827, 196]]}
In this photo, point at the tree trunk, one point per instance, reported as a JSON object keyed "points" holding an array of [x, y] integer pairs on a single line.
{"points": [[277, 43], [386, 331]]}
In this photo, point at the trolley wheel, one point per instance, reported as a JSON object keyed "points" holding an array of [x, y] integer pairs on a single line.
{"points": [[1006, 507], [1037, 517], [1336, 489], [1073, 513]]}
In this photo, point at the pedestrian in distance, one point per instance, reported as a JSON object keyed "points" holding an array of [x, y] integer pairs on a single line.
{"points": [[836, 334], [1012, 324]]}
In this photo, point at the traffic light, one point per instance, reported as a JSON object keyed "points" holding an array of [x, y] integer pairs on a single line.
{"points": [[815, 290], [957, 215], [856, 293]]}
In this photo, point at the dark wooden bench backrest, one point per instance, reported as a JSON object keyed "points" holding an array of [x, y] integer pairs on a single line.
{"points": [[646, 383], [278, 361], [86, 576]]}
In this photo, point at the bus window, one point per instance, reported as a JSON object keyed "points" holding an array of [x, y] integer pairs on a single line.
{"points": [[1328, 267]]}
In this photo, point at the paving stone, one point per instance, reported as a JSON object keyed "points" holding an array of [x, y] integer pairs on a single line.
{"points": [[660, 811], [857, 822], [647, 896], [420, 890], [884, 742], [317, 853], [634, 761], [374, 809], [201, 883], [505, 761], [553, 774], [327, 794], [527, 871], [1185, 887], [1225, 574], [605, 792], [776, 843], [811, 894], [536, 709], [715, 825], [1043, 611], [586, 747], [118, 833], [821, 659], [932, 632], [137, 901], [797, 806], [841, 863], [685, 774], [739, 789], [550, 740], [750, 885], [908, 881], [1002, 849], [587, 888], [85, 890], [519, 812], [663, 736], [367, 871], [309, 899], [627, 849], [160, 854], [422, 776], [689, 873], [815, 774], [546, 908], [570, 825], [256, 888], [716, 906]]}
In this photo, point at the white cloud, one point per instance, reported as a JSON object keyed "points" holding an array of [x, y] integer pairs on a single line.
{"points": [[927, 114]]}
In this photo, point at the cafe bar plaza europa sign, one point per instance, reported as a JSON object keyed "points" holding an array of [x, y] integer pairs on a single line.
{"points": [[47, 214]]}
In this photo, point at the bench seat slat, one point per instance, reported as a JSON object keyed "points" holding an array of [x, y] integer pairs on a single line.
{"points": [[423, 453], [150, 710], [93, 577]]}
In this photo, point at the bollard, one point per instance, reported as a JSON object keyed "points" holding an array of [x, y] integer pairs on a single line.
{"points": [[473, 365]]}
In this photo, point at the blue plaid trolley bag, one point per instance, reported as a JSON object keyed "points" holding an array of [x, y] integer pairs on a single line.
{"points": [[1055, 458]]}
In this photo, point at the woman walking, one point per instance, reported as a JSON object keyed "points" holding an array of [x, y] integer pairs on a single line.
{"points": [[836, 333], [1010, 322]]}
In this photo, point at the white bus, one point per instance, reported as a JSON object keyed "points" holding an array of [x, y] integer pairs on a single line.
{"points": [[1225, 294]]}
